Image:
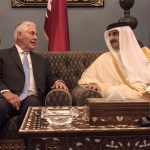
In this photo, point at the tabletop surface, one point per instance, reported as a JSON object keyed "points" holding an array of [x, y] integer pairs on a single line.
{"points": [[34, 124]]}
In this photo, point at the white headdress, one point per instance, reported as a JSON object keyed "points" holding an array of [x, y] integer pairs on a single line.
{"points": [[134, 60]]}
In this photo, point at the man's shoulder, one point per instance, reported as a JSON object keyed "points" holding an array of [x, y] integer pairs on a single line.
{"points": [[36, 54], [104, 55], [6, 51], [37, 58]]}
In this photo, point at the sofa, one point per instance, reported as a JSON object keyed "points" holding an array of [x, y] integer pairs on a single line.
{"points": [[69, 67]]}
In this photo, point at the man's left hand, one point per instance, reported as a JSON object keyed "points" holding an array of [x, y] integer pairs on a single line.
{"points": [[59, 84]]}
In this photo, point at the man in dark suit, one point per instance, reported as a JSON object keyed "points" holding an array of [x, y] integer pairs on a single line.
{"points": [[13, 77]]}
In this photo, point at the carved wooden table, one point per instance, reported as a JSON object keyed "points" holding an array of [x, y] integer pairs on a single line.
{"points": [[79, 135]]}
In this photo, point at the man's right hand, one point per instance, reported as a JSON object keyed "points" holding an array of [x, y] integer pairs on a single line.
{"points": [[93, 86], [12, 98], [146, 96]]}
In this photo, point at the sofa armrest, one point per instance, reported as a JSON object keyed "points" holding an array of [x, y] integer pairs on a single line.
{"points": [[80, 94], [58, 97]]}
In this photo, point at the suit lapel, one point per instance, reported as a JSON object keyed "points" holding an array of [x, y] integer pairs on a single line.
{"points": [[16, 57]]}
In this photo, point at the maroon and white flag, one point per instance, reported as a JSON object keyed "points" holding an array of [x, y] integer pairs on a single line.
{"points": [[56, 26]]}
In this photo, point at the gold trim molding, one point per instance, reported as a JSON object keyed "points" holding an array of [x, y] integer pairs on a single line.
{"points": [[70, 3]]}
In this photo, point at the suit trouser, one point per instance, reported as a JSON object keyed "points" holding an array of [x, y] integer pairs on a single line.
{"points": [[7, 111]]}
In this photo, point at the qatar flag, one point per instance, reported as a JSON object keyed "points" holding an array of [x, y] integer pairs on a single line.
{"points": [[56, 26]]}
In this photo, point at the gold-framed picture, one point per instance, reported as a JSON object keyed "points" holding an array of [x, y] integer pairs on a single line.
{"points": [[70, 3]]}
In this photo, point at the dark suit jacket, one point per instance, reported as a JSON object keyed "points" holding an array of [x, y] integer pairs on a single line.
{"points": [[12, 74]]}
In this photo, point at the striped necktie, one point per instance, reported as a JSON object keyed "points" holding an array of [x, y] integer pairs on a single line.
{"points": [[24, 93]]}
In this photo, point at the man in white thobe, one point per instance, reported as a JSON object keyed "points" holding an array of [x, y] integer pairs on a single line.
{"points": [[124, 71]]}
